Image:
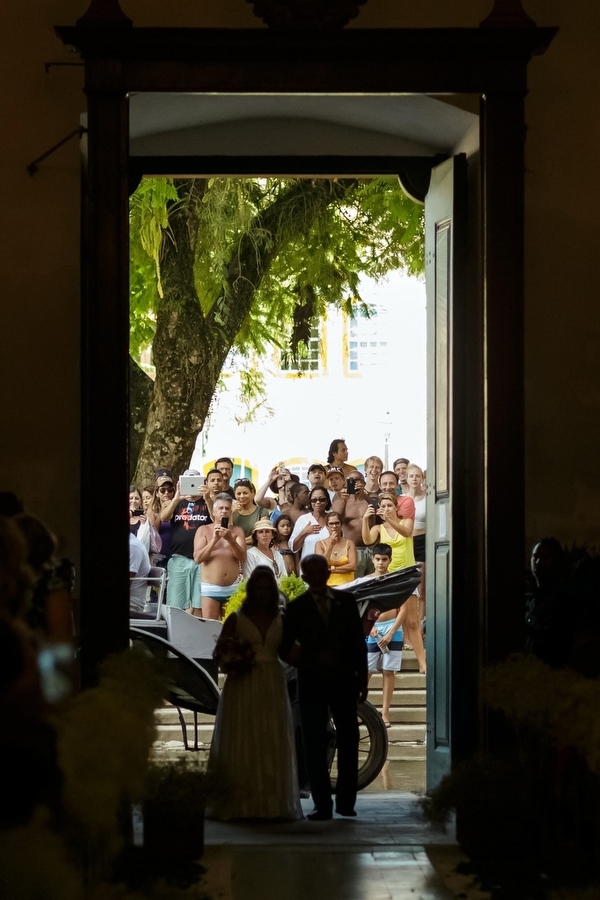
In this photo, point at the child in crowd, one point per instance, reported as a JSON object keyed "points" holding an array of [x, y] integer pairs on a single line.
{"points": [[283, 529]]}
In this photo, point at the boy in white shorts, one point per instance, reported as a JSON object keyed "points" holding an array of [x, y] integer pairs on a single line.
{"points": [[385, 642]]}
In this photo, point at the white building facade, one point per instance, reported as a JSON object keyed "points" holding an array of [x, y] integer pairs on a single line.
{"points": [[363, 380]]}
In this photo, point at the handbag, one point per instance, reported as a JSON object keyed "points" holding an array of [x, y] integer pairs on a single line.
{"points": [[149, 537]]}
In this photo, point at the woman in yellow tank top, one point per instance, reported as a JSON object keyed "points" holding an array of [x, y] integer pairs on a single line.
{"points": [[340, 552], [392, 530]]}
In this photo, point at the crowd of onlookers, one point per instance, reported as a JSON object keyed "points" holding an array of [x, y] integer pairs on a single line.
{"points": [[214, 537]]}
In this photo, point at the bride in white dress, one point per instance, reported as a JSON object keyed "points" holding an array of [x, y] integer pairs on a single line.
{"points": [[252, 750]]}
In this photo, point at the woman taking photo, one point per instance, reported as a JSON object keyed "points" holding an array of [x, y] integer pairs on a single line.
{"points": [[245, 511], [163, 495], [311, 527], [340, 552], [136, 510], [283, 530], [393, 531], [263, 552]]}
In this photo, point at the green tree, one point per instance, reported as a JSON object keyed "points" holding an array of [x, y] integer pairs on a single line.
{"points": [[248, 264]]}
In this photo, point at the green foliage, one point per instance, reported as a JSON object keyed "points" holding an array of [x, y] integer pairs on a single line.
{"points": [[559, 705], [312, 238], [235, 601], [104, 737], [149, 228], [184, 781], [252, 395], [291, 585]]}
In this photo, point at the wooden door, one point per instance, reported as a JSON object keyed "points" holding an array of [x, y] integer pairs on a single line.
{"points": [[445, 241]]}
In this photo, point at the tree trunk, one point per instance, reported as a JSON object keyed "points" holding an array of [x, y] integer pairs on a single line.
{"points": [[141, 387]]}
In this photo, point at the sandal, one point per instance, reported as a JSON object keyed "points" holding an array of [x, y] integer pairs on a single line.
{"points": [[386, 722]]}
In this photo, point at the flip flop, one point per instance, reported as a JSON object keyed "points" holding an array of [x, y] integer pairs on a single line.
{"points": [[386, 722]]}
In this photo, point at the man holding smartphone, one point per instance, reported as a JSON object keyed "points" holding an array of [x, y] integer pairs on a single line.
{"points": [[220, 548], [351, 504]]}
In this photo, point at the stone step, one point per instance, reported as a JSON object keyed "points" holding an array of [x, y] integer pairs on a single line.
{"points": [[399, 751], [409, 674], [400, 698], [406, 736], [401, 715], [171, 731]]}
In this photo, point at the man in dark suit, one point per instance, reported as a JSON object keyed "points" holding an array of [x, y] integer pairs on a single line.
{"points": [[323, 637]]}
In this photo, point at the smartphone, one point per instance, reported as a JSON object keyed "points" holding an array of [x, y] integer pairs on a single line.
{"points": [[350, 489], [281, 467], [224, 522], [374, 502], [137, 512]]}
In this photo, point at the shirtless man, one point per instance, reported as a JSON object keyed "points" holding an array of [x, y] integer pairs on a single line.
{"points": [[221, 550], [336, 481], [338, 456], [351, 508]]}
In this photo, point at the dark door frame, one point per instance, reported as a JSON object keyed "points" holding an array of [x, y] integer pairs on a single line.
{"points": [[490, 62]]}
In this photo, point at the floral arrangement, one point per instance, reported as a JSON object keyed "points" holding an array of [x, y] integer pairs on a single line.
{"points": [[184, 780], [560, 705], [234, 656], [291, 586], [531, 809], [103, 738], [105, 734], [175, 798]]}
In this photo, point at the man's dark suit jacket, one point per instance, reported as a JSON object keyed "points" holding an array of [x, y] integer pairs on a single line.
{"points": [[333, 654]]}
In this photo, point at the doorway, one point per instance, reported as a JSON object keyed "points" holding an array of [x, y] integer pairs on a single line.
{"points": [[189, 127], [487, 62]]}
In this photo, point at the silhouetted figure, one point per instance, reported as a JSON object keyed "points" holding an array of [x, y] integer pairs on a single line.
{"points": [[323, 636], [549, 611]]}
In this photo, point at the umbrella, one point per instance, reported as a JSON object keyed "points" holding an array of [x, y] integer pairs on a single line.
{"points": [[387, 591]]}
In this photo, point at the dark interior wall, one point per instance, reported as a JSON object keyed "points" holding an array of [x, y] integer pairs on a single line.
{"points": [[40, 254]]}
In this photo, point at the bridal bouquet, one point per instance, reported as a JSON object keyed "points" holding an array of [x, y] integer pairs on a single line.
{"points": [[235, 657]]}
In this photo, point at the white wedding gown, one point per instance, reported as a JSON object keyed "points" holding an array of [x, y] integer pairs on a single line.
{"points": [[253, 750]]}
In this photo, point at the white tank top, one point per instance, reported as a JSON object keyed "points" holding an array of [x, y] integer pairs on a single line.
{"points": [[420, 513]]}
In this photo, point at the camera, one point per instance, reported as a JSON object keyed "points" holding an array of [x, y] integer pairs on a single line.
{"points": [[350, 486], [224, 522]]}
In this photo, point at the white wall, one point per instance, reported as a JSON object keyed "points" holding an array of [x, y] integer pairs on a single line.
{"points": [[308, 412]]}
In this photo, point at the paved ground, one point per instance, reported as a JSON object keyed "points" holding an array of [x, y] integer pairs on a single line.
{"points": [[387, 853], [400, 775]]}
